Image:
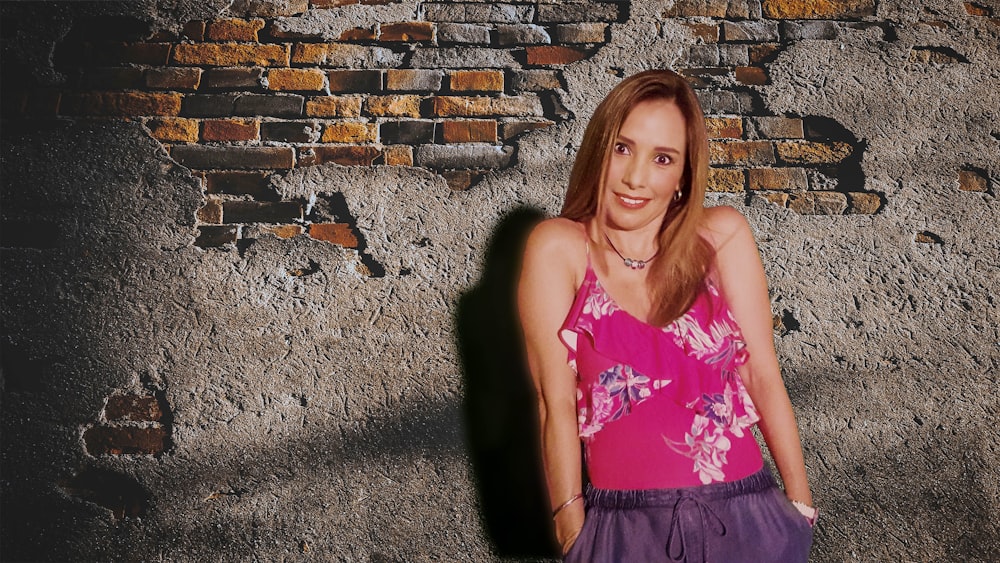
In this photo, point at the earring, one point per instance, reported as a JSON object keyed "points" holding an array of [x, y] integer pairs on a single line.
{"points": [[677, 195]]}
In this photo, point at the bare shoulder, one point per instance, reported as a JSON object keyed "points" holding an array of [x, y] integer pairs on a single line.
{"points": [[723, 225], [558, 243]]}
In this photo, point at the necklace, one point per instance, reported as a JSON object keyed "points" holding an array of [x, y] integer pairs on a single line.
{"points": [[631, 262]]}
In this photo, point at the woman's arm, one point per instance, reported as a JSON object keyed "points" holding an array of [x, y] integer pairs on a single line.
{"points": [[545, 294], [741, 275]]}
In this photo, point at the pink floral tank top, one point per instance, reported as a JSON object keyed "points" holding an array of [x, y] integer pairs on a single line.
{"points": [[660, 407]]}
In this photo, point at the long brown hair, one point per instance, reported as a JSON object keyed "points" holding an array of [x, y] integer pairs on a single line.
{"points": [[678, 274]]}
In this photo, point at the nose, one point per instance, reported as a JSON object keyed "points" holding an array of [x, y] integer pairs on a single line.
{"points": [[634, 174]]}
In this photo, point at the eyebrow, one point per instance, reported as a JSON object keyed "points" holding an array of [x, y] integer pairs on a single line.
{"points": [[655, 149]]}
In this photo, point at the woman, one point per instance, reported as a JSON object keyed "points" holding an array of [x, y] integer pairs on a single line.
{"points": [[661, 308]]}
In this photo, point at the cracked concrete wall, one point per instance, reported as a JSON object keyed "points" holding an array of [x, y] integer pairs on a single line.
{"points": [[317, 413]]}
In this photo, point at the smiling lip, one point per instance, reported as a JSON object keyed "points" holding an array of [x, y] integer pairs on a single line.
{"points": [[631, 202]]}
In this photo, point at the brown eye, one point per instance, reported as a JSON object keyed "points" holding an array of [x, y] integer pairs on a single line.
{"points": [[662, 159], [620, 148]]}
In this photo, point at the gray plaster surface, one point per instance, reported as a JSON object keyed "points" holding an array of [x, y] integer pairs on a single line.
{"points": [[323, 416]]}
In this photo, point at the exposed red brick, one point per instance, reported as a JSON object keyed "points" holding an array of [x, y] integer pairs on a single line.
{"points": [[284, 231], [334, 106], [777, 179], [864, 203], [972, 181], [805, 152], [296, 79], [398, 155], [469, 131], [355, 81], [125, 104], [173, 78], [171, 129], [239, 157], [751, 75], [724, 127], [974, 9], [133, 407], [740, 152], [706, 32], [762, 52], [345, 155], [350, 132], [396, 106], [358, 34], [476, 80], [460, 180], [725, 180], [211, 212], [407, 31], [231, 54], [818, 203], [230, 130], [194, 30], [482, 106], [512, 129], [553, 55], [104, 440], [337, 233], [233, 30], [817, 9]]}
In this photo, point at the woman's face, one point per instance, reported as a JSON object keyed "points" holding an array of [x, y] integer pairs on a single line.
{"points": [[645, 167]]}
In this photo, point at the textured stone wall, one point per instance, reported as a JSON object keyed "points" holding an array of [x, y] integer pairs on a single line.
{"points": [[257, 263]]}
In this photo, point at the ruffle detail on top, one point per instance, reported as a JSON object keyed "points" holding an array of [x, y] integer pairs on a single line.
{"points": [[693, 361]]}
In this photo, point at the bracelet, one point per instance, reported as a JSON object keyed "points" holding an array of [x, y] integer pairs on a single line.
{"points": [[811, 513], [572, 499]]}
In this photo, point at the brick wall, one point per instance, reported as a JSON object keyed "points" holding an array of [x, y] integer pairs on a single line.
{"points": [[238, 100]]}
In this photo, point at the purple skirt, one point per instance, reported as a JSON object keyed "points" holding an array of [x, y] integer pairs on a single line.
{"points": [[747, 520]]}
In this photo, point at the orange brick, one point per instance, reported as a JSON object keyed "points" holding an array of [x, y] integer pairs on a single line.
{"points": [[230, 130], [233, 30], [817, 9], [122, 104], [174, 129], [740, 152], [469, 131], [725, 180], [194, 30], [777, 179], [724, 127], [334, 106], [398, 155], [974, 9], [864, 203], [231, 54], [805, 152], [342, 55], [337, 233], [407, 31], [480, 106], [297, 79], [476, 80], [752, 75], [706, 32], [396, 106], [350, 132], [284, 231], [553, 55], [972, 181], [357, 34], [184, 78], [344, 155]]}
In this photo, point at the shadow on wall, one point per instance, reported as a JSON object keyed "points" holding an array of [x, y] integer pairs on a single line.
{"points": [[500, 406]]}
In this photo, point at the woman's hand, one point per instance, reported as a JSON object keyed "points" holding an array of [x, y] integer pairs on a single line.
{"points": [[568, 527]]}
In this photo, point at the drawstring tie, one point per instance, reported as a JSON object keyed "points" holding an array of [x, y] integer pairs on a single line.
{"points": [[695, 510]]}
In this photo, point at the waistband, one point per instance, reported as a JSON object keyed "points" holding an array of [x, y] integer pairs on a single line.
{"points": [[609, 498]]}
